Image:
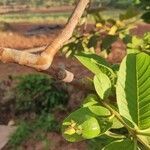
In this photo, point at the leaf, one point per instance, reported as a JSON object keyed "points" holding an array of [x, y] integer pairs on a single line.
{"points": [[87, 60], [113, 30], [116, 124], [120, 145], [87, 125], [90, 128], [96, 65], [80, 117], [133, 89], [99, 142], [99, 110], [146, 17], [130, 13], [90, 100], [108, 41], [93, 41], [102, 85]]}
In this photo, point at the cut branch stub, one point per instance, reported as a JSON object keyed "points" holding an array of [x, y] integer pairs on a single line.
{"points": [[43, 61]]}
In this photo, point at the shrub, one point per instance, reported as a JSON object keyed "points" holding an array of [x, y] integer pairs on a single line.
{"points": [[39, 93]]}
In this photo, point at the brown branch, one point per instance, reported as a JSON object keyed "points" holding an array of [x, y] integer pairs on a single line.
{"points": [[43, 61], [65, 76]]}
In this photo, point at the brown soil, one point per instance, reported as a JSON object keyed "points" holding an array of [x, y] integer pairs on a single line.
{"points": [[17, 37], [19, 9]]}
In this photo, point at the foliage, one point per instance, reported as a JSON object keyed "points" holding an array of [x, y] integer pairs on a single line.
{"points": [[20, 135], [144, 5], [47, 123], [38, 93], [139, 45], [120, 101], [43, 124], [105, 32]]}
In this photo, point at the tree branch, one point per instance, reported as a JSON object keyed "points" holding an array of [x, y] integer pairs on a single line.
{"points": [[43, 61]]}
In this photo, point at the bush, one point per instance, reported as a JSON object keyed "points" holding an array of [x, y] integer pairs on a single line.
{"points": [[38, 93]]}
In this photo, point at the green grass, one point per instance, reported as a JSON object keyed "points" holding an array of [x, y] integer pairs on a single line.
{"points": [[39, 127], [34, 17], [50, 17], [20, 135]]}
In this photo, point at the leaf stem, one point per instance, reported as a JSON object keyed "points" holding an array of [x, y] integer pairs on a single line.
{"points": [[132, 131], [117, 116]]}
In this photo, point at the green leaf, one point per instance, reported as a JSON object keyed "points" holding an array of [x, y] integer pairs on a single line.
{"points": [[84, 124], [90, 100], [108, 41], [116, 124], [99, 142], [87, 60], [93, 41], [96, 64], [133, 89], [105, 124], [146, 17], [99, 110], [102, 85], [81, 117], [120, 145], [90, 128], [130, 13]]}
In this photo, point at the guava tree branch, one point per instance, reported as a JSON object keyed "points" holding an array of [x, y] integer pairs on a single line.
{"points": [[43, 61]]}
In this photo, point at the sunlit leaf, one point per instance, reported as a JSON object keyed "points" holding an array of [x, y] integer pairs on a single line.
{"points": [[102, 85], [133, 94]]}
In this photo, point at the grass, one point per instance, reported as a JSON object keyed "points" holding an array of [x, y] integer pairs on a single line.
{"points": [[42, 125], [50, 17], [21, 134], [35, 17]]}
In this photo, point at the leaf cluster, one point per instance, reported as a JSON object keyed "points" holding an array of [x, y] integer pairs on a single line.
{"points": [[120, 102], [103, 34]]}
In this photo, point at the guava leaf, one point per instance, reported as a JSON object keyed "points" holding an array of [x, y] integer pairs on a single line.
{"points": [[82, 117], [90, 100], [125, 144], [99, 110], [96, 65], [133, 89], [102, 85], [90, 128], [90, 123], [87, 60]]}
